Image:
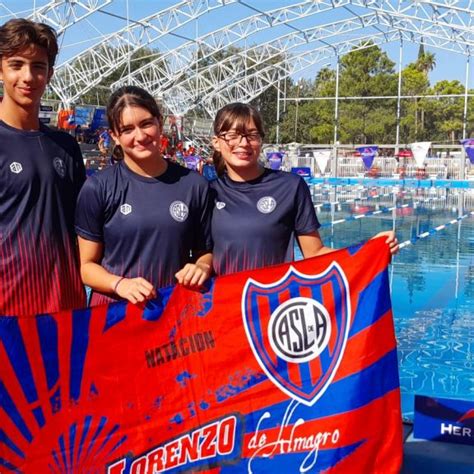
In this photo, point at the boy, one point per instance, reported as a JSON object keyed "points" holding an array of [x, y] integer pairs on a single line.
{"points": [[41, 172]]}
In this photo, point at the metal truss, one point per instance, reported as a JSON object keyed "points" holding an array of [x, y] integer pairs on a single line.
{"points": [[246, 86], [163, 71], [209, 81], [196, 72], [61, 14], [81, 73], [244, 89]]}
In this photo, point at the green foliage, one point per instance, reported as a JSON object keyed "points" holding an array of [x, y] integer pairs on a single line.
{"points": [[370, 72], [363, 73]]}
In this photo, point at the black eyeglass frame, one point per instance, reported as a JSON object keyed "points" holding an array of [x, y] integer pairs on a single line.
{"points": [[242, 135]]}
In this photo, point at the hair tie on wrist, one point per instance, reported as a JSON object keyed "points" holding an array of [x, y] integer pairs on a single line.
{"points": [[117, 284]]}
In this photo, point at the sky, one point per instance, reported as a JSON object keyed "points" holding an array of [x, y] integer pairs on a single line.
{"points": [[91, 31]]}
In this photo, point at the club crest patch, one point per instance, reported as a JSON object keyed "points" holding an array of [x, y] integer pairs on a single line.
{"points": [[125, 209], [297, 328], [16, 167], [59, 166], [266, 204], [179, 211]]}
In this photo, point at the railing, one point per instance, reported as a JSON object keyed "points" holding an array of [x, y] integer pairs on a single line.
{"points": [[352, 166]]}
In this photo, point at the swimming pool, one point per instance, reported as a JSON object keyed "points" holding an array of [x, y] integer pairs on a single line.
{"points": [[432, 278]]}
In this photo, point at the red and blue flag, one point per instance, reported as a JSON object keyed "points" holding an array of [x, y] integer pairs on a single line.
{"points": [[291, 368]]}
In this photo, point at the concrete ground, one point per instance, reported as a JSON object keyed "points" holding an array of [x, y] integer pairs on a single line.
{"points": [[432, 457]]}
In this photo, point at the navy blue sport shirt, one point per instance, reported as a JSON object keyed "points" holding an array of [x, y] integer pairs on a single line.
{"points": [[254, 222], [41, 173], [149, 227]]}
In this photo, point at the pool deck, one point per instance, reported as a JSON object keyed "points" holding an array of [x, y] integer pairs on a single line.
{"points": [[432, 457]]}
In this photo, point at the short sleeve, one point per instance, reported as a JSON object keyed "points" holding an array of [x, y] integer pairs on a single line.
{"points": [[79, 171], [203, 240], [306, 220], [89, 223]]}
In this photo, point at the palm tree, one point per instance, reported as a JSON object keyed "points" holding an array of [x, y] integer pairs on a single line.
{"points": [[426, 62]]}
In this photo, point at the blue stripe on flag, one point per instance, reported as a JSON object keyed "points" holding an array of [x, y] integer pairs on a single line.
{"points": [[10, 444], [38, 414], [62, 446], [48, 337], [365, 386], [79, 345], [154, 308], [102, 423], [86, 426], [107, 438], [374, 302], [72, 442], [9, 466], [12, 412], [115, 314], [10, 335]]}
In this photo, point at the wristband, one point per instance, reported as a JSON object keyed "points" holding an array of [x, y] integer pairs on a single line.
{"points": [[117, 283]]}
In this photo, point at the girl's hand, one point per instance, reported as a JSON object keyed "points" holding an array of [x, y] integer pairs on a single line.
{"points": [[135, 290], [391, 240], [193, 275]]}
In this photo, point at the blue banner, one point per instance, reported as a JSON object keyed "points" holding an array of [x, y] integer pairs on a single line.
{"points": [[192, 162], [82, 115], [303, 171], [442, 419], [209, 172], [367, 154], [99, 119], [468, 145], [275, 159]]}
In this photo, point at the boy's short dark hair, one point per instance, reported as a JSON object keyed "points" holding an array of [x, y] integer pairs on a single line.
{"points": [[19, 33]]}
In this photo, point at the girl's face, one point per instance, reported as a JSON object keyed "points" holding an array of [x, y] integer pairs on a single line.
{"points": [[139, 134], [240, 150]]}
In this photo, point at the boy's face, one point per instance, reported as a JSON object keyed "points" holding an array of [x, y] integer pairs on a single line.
{"points": [[25, 75]]}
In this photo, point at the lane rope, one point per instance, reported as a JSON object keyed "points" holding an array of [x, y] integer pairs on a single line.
{"points": [[423, 235]]}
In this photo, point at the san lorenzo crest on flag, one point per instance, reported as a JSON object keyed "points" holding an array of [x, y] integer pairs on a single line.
{"points": [[297, 328]]}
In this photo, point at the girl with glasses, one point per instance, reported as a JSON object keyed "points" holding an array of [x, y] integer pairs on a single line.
{"points": [[257, 211], [143, 223]]}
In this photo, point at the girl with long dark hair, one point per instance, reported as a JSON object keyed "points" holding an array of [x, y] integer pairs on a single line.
{"points": [[144, 222]]}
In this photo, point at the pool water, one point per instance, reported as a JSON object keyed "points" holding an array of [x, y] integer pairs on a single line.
{"points": [[432, 279]]}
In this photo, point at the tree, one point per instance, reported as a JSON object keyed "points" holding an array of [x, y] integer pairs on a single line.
{"points": [[446, 113], [414, 82], [425, 63], [367, 72]]}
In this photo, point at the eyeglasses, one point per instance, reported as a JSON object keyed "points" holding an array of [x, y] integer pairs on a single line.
{"points": [[235, 138]]}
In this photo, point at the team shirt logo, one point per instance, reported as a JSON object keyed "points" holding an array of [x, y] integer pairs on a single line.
{"points": [[220, 205], [298, 328], [179, 211], [59, 166], [16, 167], [125, 209], [266, 204]]}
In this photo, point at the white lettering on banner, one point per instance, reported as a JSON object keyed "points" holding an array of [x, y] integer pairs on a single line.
{"points": [[209, 441], [455, 430], [292, 443]]}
